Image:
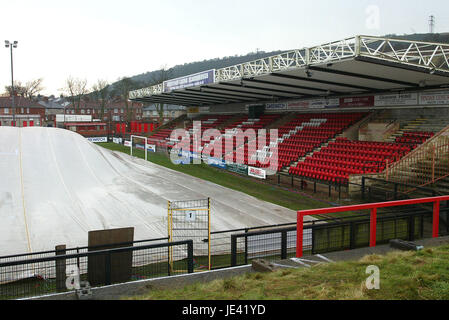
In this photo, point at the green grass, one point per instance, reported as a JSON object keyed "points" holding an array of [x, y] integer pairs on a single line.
{"points": [[419, 275], [258, 190]]}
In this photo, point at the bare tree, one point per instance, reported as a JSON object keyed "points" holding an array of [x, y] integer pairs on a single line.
{"points": [[19, 89], [123, 87], [33, 87], [29, 90], [75, 90], [101, 94]]}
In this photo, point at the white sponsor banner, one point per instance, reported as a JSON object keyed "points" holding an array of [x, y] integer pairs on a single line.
{"points": [[117, 140], [98, 139], [151, 147], [73, 118], [257, 173], [192, 80], [127, 143], [434, 98], [401, 99], [276, 106], [314, 104]]}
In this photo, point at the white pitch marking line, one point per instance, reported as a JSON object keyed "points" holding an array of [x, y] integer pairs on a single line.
{"points": [[312, 261], [300, 262], [283, 265], [324, 258]]}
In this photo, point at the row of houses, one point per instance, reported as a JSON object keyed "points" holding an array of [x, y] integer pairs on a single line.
{"points": [[44, 111]]}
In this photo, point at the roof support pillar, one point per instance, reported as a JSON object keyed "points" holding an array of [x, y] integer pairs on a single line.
{"points": [[307, 56], [357, 45]]}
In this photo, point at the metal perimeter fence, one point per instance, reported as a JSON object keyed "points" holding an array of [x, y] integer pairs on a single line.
{"points": [[47, 274], [43, 273], [337, 234]]}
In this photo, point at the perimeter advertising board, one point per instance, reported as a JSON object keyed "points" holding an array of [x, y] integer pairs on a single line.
{"points": [[257, 173], [198, 79], [117, 140], [434, 98], [215, 162], [401, 99], [238, 168], [98, 139], [367, 101], [314, 104], [276, 106]]}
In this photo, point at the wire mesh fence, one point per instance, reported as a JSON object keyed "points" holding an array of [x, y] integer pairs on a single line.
{"points": [[75, 250], [336, 234], [46, 272], [49, 274], [190, 219]]}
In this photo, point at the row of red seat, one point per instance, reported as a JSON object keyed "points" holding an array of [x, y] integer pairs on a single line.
{"points": [[344, 157], [308, 131], [415, 138]]}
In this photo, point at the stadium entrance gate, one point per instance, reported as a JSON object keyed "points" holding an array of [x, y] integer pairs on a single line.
{"points": [[190, 220]]}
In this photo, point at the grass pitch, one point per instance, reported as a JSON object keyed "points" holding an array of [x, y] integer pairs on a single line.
{"points": [[226, 179]]}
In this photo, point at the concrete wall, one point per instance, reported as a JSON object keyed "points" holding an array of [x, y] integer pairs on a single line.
{"points": [[355, 181], [117, 291], [377, 131], [352, 133]]}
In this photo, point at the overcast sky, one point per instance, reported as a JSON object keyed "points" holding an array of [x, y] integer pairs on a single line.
{"points": [[98, 39]]}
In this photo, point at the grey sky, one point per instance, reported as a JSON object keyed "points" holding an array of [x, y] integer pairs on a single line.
{"points": [[109, 39]]}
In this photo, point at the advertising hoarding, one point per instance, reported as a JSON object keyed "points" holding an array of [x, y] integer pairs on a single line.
{"points": [[205, 77]]}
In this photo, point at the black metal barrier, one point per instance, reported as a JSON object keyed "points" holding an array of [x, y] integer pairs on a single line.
{"points": [[75, 250], [221, 243], [329, 235], [274, 244], [46, 275], [389, 190]]}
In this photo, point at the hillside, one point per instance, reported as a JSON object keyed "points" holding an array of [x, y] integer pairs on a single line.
{"points": [[149, 78], [426, 37]]}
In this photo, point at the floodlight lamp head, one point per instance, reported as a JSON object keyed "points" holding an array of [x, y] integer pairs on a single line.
{"points": [[6, 43]]}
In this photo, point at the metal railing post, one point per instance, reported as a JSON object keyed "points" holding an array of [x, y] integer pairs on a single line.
{"points": [[373, 227], [107, 268], [246, 247], [284, 245], [299, 235], [190, 256], [363, 188], [233, 250], [436, 219], [352, 236]]}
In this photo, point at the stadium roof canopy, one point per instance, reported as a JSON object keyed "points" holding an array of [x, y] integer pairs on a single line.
{"points": [[357, 65]]}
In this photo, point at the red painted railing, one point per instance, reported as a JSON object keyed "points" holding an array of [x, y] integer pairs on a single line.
{"points": [[373, 219]]}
